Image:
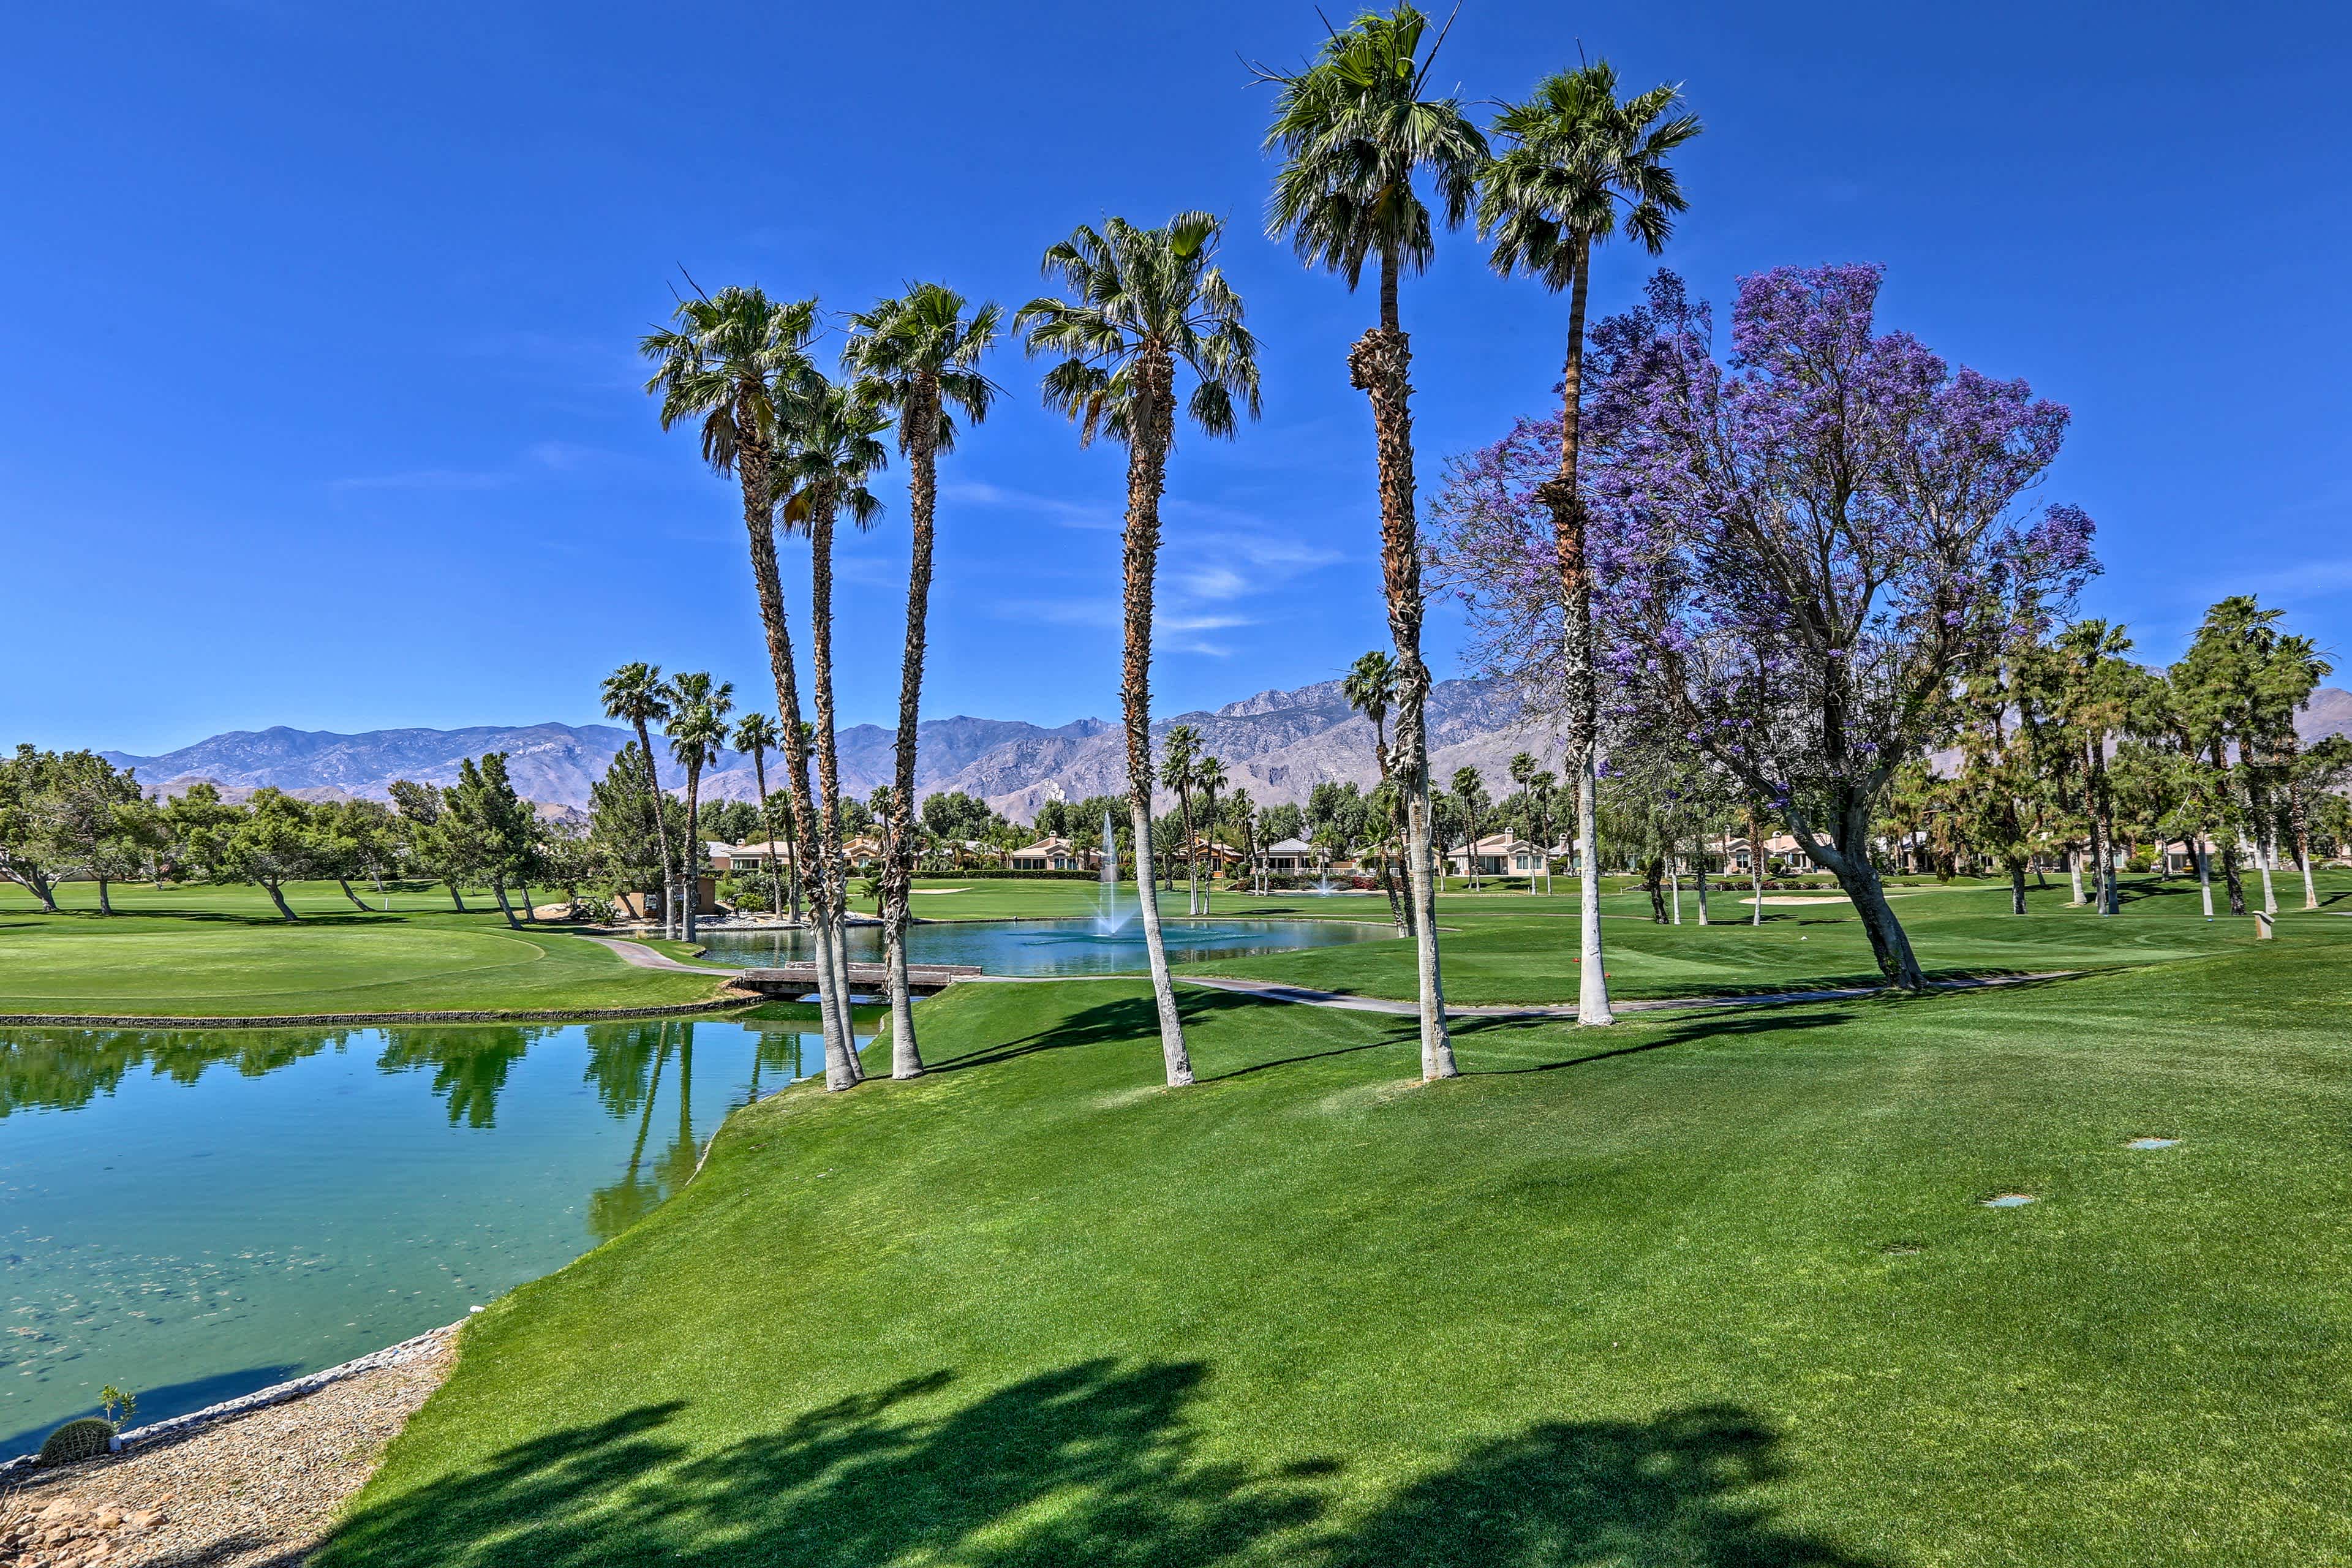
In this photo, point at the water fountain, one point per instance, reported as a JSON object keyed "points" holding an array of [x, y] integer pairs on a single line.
{"points": [[1108, 919]]}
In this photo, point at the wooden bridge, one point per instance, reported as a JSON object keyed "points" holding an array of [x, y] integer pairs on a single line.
{"points": [[796, 980]]}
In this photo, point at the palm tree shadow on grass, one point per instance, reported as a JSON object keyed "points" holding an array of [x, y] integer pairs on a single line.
{"points": [[1746, 1023], [1132, 1019], [1097, 1463]]}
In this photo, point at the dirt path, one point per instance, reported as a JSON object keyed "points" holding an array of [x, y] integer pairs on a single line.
{"points": [[639, 955], [253, 1490]]}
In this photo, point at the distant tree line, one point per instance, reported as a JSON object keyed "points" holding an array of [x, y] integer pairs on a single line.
{"points": [[74, 817]]}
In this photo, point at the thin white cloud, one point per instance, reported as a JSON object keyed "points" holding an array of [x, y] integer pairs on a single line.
{"points": [[1212, 583], [1200, 622], [1269, 550], [1061, 513], [1208, 578]]}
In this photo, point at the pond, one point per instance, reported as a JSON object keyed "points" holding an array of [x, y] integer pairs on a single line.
{"points": [[194, 1214], [1056, 947]]}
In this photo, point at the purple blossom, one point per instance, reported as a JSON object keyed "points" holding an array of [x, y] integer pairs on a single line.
{"points": [[1799, 550]]}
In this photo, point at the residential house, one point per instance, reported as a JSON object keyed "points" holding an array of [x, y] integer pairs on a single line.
{"points": [[1215, 858], [1497, 854], [750, 858], [1780, 847], [1290, 856], [1055, 854]]}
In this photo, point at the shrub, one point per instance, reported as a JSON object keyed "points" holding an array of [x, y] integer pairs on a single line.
{"points": [[743, 893], [77, 1440], [1007, 873]]}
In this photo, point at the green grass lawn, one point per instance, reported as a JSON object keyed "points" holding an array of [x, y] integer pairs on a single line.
{"points": [[1710, 1289], [210, 951], [1508, 947], [222, 951]]}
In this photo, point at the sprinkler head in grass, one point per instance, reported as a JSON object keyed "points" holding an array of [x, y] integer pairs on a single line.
{"points": [[2152, 1142], [2009, 1201], [1903, 1248]]}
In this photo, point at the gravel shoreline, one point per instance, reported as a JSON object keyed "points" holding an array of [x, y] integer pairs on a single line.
{"points": [[255, 1485]]}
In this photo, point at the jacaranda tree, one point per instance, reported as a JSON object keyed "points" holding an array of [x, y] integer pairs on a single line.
{"points": [[1818, 540]]}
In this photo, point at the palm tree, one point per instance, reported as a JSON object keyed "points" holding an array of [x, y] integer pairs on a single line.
{"points": [[1580, 165], [1470, 791], [635, 692], [1524, 771], [836, 445], [1179, 750], [734, 358], [1353, 131], [1144, 302], [755, 736], [1209, 777], [1369, 688], [922, 353], [696, 730]]}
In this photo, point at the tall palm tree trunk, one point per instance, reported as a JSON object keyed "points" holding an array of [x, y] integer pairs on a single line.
{"points": [[1192, 851], [692, 880], [1379, 365], [768, 830], [661, 818], [1209, 828], [842, 1069], [1567, 505], [831, 892], [1399, 910], [1147, 464], [898, 855]]}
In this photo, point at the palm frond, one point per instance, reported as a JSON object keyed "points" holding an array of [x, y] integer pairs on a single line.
{"points": [[1580, 165]]}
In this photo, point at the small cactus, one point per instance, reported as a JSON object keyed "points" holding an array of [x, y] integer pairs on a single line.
{"points": [[77, 1440]]}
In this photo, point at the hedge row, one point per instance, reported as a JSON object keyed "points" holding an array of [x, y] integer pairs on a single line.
{"points": [[985, 873]]}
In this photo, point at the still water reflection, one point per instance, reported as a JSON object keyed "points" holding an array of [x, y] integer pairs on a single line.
{"points": [[195, 1214]]}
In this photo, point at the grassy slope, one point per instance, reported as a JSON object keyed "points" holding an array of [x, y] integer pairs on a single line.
{"points": [[1710, 1289], [222, 951]]}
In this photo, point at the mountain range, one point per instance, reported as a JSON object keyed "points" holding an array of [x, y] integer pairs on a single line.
{"points": [[1278, 745]]}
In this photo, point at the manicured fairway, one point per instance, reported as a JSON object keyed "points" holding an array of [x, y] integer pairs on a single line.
{"points": [[1512, 948], [1706, 1290], [221, 952]]}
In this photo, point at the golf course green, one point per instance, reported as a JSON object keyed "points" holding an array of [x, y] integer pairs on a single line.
{"points": [[1712, 1288]]}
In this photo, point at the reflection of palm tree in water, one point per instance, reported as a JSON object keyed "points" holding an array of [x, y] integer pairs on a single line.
{"points": [[678, 1164], [613, 1209]]}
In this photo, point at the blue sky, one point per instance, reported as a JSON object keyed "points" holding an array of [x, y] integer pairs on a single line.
{"points": [[323, 406]]}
